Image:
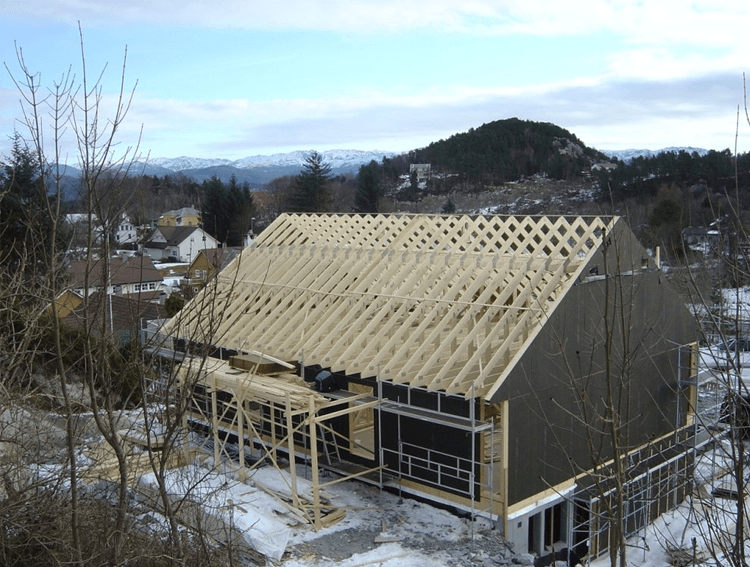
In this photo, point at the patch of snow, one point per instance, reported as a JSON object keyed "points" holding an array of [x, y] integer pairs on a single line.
{"points": [[228, 505]]}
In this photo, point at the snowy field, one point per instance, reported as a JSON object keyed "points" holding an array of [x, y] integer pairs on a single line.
{"points": [[380, 528], [415, 534]]}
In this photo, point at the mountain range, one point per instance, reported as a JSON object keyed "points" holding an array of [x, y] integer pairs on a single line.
{"points": [[259, 169], [255, 170], [262, 168], [628, 155]]}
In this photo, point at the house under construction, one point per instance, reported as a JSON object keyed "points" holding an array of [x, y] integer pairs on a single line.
{"points": [[457, 358]]}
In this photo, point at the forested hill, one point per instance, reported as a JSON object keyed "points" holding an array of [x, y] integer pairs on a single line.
{"points": [[507, 150]]}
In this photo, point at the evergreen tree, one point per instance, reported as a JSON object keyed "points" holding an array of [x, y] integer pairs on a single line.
{"points": [[369, 190], [242, 209], [24, 220], [227, 210], [411, 193], [449, 207], [312, 192], [215, 209]]}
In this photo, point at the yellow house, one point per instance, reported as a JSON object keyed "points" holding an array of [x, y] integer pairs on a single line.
{"points": [[67, 302], [208, 263], [187, 216]]}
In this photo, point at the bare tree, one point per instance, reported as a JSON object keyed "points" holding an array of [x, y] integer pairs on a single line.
{"points": [[722, 513], [618, 406]]}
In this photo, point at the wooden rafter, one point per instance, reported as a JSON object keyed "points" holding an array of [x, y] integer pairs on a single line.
{"points": [[441, 302]]}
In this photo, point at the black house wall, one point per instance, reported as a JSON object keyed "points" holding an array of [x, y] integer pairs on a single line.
{"points": [[547, 442], [434, 454]]}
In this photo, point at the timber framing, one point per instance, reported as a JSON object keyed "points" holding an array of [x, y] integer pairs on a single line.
{"points": [[443, 303], [436, 355], [257, 419]]}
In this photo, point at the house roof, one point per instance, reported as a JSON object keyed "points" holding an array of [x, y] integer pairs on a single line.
{"points": [[122, 271], [174, 235], [183, 212], [128, 313], [447, 303]]}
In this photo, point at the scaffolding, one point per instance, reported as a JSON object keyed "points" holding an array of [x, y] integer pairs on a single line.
{"points": [[467, 477], [249, 420]]}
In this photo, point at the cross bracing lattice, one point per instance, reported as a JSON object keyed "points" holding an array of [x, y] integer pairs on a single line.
{"points": [[447, 303]]}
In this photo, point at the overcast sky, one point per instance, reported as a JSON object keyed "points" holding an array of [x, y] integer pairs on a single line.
{"points": [[237, 78]]}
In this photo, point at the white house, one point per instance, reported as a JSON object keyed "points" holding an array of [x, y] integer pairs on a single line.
{"points": [[179, 242], [125, 232]]}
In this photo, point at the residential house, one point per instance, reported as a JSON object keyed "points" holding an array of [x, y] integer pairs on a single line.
{"points": [[67, 301], [449, 357], [421, 169], [125, 318], [208, 263], [179, 243], [119, 275], [126, 232], [187, 216]]}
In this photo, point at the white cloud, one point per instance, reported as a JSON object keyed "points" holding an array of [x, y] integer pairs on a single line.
{"points": [[604, 112], [653, 114], [681, 71], [659, 64], [700, 22]]}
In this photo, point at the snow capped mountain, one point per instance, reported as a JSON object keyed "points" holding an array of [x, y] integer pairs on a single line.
{"points": [[337, 159], [353, 158], [184, 162], [627, 155], [273, 160], [260, 169]]}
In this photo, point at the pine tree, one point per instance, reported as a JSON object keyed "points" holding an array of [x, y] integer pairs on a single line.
{"points": [[241, 210], [369, 191], [24, 221], [449, 207], [312, 192], [215, 209], [227, 210]]}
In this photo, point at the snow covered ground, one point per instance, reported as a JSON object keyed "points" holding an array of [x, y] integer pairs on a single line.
{"points": [[380, 528], [415, 534]]}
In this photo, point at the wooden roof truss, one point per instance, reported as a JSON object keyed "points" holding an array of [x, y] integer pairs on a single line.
{"points": [[443, 303]]}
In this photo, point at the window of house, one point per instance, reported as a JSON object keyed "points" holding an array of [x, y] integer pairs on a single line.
{"points": [[197, 273]]}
